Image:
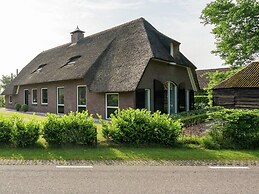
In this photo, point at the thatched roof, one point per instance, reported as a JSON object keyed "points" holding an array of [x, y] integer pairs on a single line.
{"points": [[202, 75], [246, 78], [110, 61]]}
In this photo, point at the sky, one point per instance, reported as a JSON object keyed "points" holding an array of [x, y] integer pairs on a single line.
{"points": [[29, 27]]}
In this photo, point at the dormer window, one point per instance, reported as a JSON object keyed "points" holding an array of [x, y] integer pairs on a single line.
{"points": [[40, 67], [71, 61]]}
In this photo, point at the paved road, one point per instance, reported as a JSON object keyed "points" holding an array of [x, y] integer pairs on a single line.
{"points": [[127, 179]]}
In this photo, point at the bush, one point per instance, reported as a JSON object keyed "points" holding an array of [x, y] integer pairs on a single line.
{"points": [[201, 101], [18, 106], [24, 108], [238, 128], [141, 127], [2, 101], [25, 133], [5, 131], [74, 128]]}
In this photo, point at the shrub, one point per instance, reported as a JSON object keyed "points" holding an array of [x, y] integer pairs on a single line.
{"points": [[140, 127], [24, 108], [5, 131], [18, 106], [74, 128], [201, 101], [238, 128], [2, 101], [25, 133]]}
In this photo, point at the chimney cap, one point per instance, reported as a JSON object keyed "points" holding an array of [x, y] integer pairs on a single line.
{"points": [[77, 30]]}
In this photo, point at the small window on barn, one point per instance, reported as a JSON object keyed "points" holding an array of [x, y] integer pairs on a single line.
{"points": [[39, 69], [112, 103], [71, 61], [44, 96]]}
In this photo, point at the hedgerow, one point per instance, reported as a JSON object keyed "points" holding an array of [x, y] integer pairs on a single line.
{"points": [[74, 128], [132, 126]]}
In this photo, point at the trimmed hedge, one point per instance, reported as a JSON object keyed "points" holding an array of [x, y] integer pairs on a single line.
{"points": [[74, 128], [132, 126], [6, 128]]}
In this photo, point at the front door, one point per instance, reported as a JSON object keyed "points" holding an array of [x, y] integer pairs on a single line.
{"points": [[26, 97]]}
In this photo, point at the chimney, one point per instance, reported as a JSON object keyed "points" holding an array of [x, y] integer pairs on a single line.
{"points": [[17, 72], [174, 50], [76, 35]]}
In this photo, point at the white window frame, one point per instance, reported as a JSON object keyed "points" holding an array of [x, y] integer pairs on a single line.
{"points": [[148, 99], [10, 99], [169, 97], [24, 95], [106, 107], [62, 87], [32, 96], [41, 97], [78, 105]]}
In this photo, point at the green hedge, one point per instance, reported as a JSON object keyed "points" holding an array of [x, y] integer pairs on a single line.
{"points": [[74, 128], [235, 128], [132, 126], [14, 131]]}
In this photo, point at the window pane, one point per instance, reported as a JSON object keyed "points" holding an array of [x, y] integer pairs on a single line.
{"points": [[60, 95], [44, 96], [112, 100], [147, 99], [110, 111], [34, 96], [82, 95], [60, 109]]}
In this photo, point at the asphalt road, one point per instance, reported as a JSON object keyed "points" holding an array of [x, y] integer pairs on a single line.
{"points": [[127, 179]]}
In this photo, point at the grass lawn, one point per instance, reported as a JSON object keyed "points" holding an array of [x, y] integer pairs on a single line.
{"points": [[105, 151]]}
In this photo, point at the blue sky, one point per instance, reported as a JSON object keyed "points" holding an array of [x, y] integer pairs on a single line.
{"points": [[30, 26]]}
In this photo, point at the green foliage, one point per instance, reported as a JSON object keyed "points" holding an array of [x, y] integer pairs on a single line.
{"points": [[141, 127], [74, 128], [5, 131], [25, 133], [215, 78], [5, 81], [24, 108], [201, 101], [235, 128], [2, 101], [18, 106], [194, 120], [236, 28]]}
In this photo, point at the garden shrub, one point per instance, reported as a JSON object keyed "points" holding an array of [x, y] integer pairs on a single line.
{"points": [[238, 128], [18, 106], [141, 127], [74, 128], [25, 133], [201, 101], [24, 108], [2, 101], [5, 131]]}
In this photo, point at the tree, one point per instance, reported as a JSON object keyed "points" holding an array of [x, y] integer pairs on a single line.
{"points": [[236, 29], [5, 81]]}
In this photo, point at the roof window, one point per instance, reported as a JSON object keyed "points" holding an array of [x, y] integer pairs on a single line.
{"points": [[71, 61], [40, 67]]}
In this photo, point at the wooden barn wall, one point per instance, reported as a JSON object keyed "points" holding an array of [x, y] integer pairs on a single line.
{"points": [[236, 98]]}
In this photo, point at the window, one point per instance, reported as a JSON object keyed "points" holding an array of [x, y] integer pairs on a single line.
{"points": [[26, 96], [187, 100], [40, 67], [112, 103], [10, 99], [60, 100], [34, 96], [71, 61], [81, 98], [170, 100], [44, 96], [147, 99]]}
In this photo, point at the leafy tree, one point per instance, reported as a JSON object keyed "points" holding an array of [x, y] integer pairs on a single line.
{"points": [[5, 81], [236, 29], [215, 78]]}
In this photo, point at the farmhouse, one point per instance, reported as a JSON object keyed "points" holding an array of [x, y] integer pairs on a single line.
{"points": [[240, 90], [131, 65]]}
